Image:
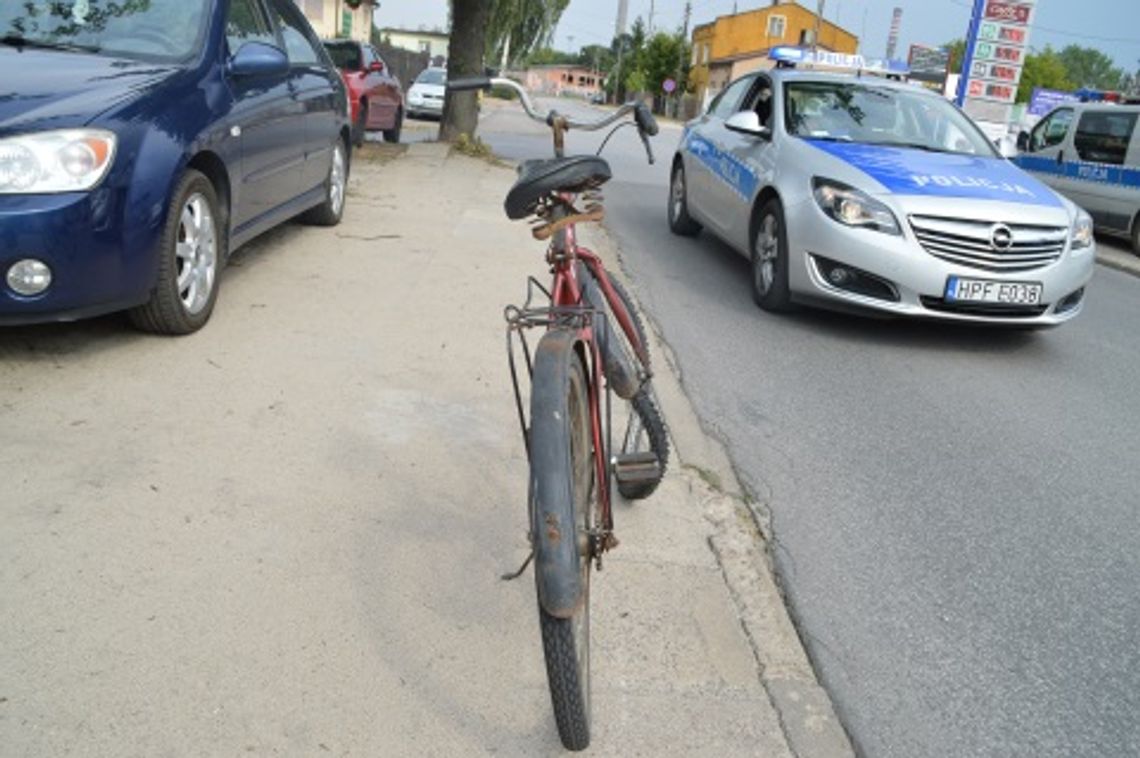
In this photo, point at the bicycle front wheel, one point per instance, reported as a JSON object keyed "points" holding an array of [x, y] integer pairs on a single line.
{"points": [[563, 461]]}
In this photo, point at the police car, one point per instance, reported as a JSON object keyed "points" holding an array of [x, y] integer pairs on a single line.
{"points": [[855, 191]]}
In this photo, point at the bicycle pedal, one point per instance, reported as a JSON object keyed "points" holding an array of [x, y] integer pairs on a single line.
{"points": [[636, 468]]}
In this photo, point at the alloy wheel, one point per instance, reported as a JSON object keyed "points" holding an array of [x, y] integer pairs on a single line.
{"points": [[197, 254], [337, 179], [767, 252], [678, 192]]}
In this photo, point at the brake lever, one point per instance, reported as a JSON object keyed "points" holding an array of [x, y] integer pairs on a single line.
{"points": [[648, 147]]}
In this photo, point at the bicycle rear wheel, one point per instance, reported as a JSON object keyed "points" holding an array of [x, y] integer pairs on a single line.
{"points": [[562, 459], [645, 432]]}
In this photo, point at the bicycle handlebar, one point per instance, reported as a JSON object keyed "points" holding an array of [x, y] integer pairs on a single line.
{"points": [[643, 117]]}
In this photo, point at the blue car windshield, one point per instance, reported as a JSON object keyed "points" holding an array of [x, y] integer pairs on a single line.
{"points": [[146, 30], [878, 115]]}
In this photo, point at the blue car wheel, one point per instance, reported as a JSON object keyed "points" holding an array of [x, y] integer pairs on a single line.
{"points": [[191, 255]]}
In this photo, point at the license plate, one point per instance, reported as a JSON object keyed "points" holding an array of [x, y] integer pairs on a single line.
{"points": [[962, 290]]}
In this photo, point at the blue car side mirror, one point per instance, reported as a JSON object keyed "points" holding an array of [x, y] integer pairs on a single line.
{"points": [[258, 59]]}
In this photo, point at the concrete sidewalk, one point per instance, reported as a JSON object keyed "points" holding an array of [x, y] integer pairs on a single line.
{"points": [[283, 535], [695, 651]]}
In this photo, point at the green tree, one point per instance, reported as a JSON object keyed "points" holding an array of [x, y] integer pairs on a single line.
{"points": [[546, 56], [521, 26], [1044, 69], [957, 50], [599, 57], [664, 57], [1089, 67], [465, 57]]}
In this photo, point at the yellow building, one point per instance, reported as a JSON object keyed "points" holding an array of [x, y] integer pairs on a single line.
{"points": [[340, 18], [734, 45]]}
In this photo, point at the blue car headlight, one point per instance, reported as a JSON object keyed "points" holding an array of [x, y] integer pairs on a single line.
{"points": [[850, 207], [68, 160], [1082, 236]]}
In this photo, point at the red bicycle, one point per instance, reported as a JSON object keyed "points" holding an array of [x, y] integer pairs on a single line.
{"points": [[593, 345]]}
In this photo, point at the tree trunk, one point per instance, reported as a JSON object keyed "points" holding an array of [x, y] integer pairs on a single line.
{"points": [[465, 52]]}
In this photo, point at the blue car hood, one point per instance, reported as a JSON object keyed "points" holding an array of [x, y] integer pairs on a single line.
{"points": [[57, 90], [908, 171]]}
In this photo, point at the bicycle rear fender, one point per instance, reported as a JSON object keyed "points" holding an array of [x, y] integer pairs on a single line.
{"points": [[557, 562]]}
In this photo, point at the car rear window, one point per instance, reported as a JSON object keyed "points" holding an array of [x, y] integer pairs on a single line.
{"points": [[345, 56]]}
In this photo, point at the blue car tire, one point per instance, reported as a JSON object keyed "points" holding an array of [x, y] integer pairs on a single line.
{"points": [[192, 253], [329, 212]]}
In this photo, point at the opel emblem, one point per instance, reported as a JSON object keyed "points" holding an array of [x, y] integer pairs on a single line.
{"points": [[1001, 237]]}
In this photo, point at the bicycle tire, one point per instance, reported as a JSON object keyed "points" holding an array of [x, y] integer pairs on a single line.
{"points": [[642, 403], [657, 440], [561, 436]]}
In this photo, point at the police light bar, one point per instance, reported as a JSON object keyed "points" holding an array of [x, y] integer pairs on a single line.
{"points": [[790, 57]]}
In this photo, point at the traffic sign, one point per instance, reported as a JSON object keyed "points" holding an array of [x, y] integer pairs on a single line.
{"points": [[669, 85]]}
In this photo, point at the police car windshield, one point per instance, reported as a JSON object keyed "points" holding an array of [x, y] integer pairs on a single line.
{"points": [[875, 115]]}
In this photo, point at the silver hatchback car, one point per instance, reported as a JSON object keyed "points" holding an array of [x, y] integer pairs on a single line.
{"points": [[867, 194]]}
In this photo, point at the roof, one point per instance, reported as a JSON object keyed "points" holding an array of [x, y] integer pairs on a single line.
{"points": [[415, 32], [808, 75]]}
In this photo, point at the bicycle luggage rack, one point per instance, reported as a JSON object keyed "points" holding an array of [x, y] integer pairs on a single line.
{"points": [[528, 316]]}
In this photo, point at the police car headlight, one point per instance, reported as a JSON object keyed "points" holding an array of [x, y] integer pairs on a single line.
{"points": [[1082, 237], [851, 207]]}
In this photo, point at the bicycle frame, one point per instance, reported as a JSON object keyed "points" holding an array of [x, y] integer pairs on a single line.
{"points": [[567, 306]]}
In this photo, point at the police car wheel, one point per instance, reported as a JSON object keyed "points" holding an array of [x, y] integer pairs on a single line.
{"points": [[680, 222], [770, 259]]}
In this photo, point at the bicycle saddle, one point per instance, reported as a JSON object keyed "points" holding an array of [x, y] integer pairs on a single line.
{"points": [[538, 178]]}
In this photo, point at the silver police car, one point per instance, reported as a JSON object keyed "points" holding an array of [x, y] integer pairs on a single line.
{"points": [[858, 192]]}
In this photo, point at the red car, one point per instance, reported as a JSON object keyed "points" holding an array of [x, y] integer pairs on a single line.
{"points": [[375, 97]]}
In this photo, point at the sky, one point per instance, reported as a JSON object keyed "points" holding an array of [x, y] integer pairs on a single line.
{"points": [[1112, 26]]}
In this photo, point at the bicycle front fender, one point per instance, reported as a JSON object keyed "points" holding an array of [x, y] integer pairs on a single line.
{"points": [[554, 533]]}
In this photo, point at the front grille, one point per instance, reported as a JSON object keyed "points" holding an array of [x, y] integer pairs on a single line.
{"points": [[983, 309], [970, 243]]}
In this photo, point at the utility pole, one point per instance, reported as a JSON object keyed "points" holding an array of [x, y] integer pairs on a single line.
{"points": [[650, 18], [681, 56], [818, 27], [619, 36]]}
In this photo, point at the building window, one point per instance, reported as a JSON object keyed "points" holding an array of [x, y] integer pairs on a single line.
{"points": [[777, 25], [425, 46], [314, 9]]}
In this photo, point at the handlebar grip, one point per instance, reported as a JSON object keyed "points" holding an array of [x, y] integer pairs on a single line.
{"points": [[470, 82], [645, 121]]}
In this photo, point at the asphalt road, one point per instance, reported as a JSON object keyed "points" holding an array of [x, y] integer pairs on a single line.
{"points": [[954, 509]]}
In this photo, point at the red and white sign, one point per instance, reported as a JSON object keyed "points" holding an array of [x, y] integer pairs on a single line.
{"points": [[1009, 13], [998, 56]]}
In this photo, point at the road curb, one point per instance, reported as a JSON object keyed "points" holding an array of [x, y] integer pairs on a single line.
{"points": [[739, 540], [1128, 263]]}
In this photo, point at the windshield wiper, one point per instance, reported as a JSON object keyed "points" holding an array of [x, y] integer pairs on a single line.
{"points": [[916, 146], [18, 42]]}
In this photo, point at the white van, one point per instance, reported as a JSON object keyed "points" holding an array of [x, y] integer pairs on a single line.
{"points": [[1090, 152]]}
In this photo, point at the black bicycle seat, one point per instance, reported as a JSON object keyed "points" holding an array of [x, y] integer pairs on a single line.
{"points": [[538, 178]]}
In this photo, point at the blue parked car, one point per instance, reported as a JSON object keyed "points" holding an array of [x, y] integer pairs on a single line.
{"points": [[142, 142]]}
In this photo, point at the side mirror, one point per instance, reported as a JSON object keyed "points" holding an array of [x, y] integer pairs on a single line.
{"points": [[1023, 141], [376, 66], [747, 122], [258, 59]]}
